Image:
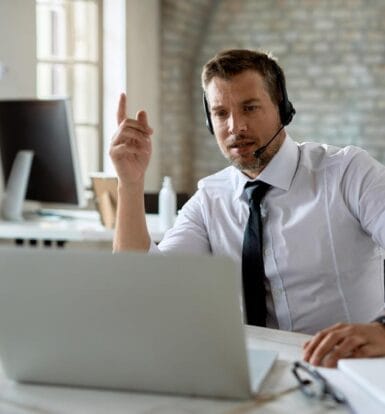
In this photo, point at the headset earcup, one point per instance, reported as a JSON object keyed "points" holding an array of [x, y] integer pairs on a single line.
{"points": [[286, 108], [286, 112], [209, 123]]}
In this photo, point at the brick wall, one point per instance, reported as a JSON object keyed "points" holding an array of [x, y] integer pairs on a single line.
{"points": [[183, 30], [333, 54]]}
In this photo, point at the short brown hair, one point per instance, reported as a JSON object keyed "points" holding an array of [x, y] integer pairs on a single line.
{"points": [[234, 61]]}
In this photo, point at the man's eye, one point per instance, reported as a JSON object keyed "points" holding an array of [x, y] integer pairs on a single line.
{"points": [[250, 108], [220, 114]]}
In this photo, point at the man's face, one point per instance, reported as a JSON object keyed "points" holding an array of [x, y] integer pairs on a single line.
{"points": [[244, 119]]}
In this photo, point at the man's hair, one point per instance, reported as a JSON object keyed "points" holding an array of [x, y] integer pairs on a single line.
{"points": [[232, 62]]}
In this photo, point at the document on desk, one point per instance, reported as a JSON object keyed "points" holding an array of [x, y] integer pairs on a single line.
{"points": [[369, 373], [360, 400]]}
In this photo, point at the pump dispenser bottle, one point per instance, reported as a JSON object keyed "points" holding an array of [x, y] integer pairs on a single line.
{"points": [[167, 204]]}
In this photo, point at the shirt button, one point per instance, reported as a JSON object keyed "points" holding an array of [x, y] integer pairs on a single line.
{"points": [[268, 252], [277, 292]]}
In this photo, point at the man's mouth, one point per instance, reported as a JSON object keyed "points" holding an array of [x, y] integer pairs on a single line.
{"points": [[241, 145]]}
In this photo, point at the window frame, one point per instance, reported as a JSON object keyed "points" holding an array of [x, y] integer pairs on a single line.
{"points": [[69, 61]]}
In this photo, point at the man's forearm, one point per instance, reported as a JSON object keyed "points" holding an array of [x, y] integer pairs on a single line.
{"points": [[131, 231]]}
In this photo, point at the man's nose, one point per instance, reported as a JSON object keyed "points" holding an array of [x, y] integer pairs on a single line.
{"points": [[237, 124]]}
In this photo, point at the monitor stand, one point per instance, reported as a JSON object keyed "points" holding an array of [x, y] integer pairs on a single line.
{"points": [[15, 191]]}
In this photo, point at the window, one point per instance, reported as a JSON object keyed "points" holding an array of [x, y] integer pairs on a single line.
{"points": [[69, 64]]}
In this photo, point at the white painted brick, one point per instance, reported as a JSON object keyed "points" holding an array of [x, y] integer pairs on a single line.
{"points": [[333, 54]]}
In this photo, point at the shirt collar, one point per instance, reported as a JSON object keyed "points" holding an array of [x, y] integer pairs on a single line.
{"points": [[278, 173]]}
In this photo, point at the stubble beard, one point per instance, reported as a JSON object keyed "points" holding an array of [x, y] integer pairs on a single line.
{"points": [[251, 164], [254, 164]]}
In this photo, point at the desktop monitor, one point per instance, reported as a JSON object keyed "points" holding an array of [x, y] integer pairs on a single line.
{"points": [[44, 127]]}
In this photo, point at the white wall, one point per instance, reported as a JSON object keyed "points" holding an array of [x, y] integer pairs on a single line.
{"points": [[114, 71], [18, 48], [143, 72], [17, 52]]}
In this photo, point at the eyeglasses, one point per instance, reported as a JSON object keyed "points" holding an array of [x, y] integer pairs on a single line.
{"points": [[314, 385]]}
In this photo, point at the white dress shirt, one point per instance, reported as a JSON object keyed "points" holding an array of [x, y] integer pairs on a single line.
{"points": [[323, 228]]}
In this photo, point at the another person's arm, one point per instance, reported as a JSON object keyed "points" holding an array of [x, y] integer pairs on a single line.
{"points": [[130, 152], [345, 341]]}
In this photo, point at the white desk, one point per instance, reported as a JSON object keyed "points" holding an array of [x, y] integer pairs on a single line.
{"points": [[83, 227], [33, 399]]}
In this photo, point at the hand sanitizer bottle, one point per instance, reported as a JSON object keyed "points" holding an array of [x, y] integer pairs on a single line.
{"points": [[167, 205]]}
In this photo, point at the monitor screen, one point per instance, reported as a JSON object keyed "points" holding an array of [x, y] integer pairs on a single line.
{"points": [[46, 128]]}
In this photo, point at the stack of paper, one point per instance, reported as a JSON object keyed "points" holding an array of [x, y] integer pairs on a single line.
{"points": [[369, 373], [358, 399]]}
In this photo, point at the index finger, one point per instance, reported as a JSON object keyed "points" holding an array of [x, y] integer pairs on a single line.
{"points": [[310, 346], [316, 352], [320, 335], [121, 115]]}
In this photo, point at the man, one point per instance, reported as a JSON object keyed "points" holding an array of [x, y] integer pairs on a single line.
{"points": [[323, 217]]}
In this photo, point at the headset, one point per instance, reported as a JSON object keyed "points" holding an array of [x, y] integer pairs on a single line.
{"points": [[286, 108]]}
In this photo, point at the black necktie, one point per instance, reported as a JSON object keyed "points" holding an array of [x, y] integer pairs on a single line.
{"points": [[253, 271]]}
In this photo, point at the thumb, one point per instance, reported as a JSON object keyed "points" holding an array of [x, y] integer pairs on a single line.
{"points": [[121, 115], [141, 117]]}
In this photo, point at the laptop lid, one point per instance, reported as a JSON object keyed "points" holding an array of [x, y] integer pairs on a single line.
{"points": [[133, 321]]}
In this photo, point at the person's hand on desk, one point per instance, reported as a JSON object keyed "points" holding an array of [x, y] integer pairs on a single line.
{"points": [[130, 148], [345, 341]]}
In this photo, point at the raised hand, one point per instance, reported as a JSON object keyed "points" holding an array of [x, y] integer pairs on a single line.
{"points": [[130, 148]]}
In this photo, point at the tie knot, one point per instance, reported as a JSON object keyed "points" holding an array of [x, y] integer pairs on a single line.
{"points": [[256, 190]]}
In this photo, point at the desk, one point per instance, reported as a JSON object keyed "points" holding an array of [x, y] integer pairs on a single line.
{"points": [[33, 399], [84, 226]]}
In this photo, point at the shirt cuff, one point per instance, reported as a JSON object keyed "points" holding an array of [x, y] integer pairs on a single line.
{"points": [[154, 249]]}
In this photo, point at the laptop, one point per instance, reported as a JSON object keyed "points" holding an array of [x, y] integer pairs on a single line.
{"points": [[164, 324]]}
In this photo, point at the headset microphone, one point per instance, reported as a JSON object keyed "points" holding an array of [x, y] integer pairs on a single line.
{"points": [[259, 151]]}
